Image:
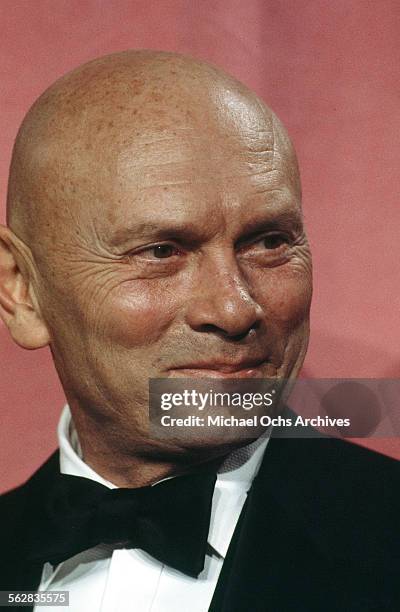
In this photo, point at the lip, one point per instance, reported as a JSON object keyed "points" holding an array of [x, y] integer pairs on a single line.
{"points": [[244, 369]]}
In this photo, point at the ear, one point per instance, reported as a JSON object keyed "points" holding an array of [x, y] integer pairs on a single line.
{"points": [[19, 308]]}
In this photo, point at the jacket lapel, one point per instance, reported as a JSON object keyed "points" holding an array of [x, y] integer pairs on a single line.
{"points": [[255, 573]]}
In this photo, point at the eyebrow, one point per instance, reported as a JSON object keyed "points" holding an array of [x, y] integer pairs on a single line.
{"points": [[284, 219], [188, 233], [155, 231]]}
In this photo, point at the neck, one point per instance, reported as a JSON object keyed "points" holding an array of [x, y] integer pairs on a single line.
{"points": [[139, 462], [129, 472]]}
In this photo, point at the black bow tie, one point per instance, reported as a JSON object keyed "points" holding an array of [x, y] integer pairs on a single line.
{"points": [[169, 520]]}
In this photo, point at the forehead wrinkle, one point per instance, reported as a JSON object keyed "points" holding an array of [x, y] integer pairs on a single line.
{"points": [[154, 166]]}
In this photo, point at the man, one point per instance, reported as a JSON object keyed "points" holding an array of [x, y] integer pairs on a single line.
{"points": [[155, 231]]}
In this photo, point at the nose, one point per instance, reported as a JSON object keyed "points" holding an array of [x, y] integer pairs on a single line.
{"points": [[222, 302]]}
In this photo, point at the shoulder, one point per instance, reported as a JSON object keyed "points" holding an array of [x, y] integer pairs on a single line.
{"points": [[25, 498], [338, 462], [335, 469], [345, 496], [342, 464]]}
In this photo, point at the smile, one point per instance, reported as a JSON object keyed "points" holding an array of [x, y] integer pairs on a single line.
{"points": [[248, 369]]}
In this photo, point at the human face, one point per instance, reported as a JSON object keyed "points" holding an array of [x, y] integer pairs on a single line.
{"points": [[185, 256]]}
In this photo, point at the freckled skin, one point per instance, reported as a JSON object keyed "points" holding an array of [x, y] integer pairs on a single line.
{"points": [[142, 149]]}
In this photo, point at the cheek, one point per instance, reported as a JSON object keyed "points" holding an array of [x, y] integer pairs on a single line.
{"points": [[139, 313], [285, 297]]}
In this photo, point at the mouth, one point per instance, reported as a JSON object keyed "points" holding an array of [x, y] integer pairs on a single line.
{"points": [[243, 369]]}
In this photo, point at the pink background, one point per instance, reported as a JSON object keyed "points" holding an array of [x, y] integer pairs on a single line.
{"points": [[331, 71]]}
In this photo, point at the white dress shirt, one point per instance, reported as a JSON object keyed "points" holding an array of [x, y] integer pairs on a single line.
{"points": [[108, 579]]}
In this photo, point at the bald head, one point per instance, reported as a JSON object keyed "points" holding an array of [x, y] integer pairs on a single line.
{"points": [[96, 118]]}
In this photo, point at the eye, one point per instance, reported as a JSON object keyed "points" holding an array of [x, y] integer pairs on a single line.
{"points": [[271, 249], [162, 251], [156, 252], [274, 241]]}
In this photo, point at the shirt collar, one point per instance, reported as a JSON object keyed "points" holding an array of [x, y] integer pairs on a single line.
{"points": [[234, 478], [71, 461]]}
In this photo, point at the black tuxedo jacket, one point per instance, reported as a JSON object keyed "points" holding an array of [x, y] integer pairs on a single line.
{"points": [[319, 532]]}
